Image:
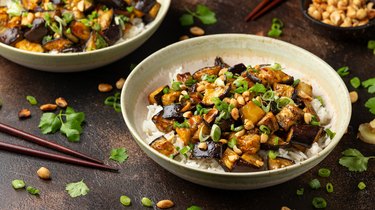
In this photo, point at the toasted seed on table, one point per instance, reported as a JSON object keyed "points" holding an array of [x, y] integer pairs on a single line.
{"points": [[183, 37], [353, 96], [61, 102], [44, 173], [24, 113], [120, 83], [196, 31], [48, 107], [103, 87], [164, 204]]}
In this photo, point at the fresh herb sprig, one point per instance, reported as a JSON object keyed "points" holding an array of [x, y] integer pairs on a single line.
{"points": [[202, 12], [354, 160], [76, 189], [114, 101], [276, 28], [119, 155], [68, 123]]}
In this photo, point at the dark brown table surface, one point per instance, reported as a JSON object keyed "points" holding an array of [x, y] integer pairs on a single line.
{"points": [[139, 176]]}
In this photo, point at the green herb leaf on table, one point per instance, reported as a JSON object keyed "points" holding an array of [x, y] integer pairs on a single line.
{"points": [[354, 160], [76, 189], [355, 82], [371, 45], [193, 207], [202, 12], [370, 103], [114, 101], [119, 155], [343, 71], [18, 184], [32, 190], [32, 100], [276, 28], [186, 20], [147, 202], [370, 84], [68, 123]]}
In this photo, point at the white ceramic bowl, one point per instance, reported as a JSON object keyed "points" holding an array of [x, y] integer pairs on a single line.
{"points": [[73, 62], [233, 48]]}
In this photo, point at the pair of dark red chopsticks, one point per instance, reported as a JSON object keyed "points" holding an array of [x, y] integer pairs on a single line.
{"points": [[263, 7], [87, 162]]}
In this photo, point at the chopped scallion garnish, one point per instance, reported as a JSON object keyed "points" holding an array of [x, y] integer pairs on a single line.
{"points": [[329, 187], [355, 82], [324, 172], [361, 185], [319, 202], [232, 142], [314, 184]]}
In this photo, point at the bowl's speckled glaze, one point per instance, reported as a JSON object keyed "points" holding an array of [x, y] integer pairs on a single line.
{"points": [[74, 62], [233, 48]]}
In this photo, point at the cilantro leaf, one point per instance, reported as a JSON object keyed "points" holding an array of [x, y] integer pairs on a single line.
{"points": [[354, 160], [371, 105], [119, 155], [204, 14], [76, 189], [72, 130], [49, 123], [186, 20]]}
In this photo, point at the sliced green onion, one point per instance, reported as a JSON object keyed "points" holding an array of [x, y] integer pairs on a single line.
{"points": [[343, 71], [125, 200], [209, 78], [300, 191], [232, 142], [314, 121], [272, 154], [165, 90], [276, 141], [324, 172], [146, 202], [228, 74], [329, 187], [361, 185], [320, 99], [268, 96], [296, 82], [215, 133], [355, 82], [319, 202], [283, 101], [256, 102], [314, 184], [32, 100], [203, 137], [32, 190], [184, 150], [276, 66], [258, 88], [176, 86], [18, 184], [265, 129]]}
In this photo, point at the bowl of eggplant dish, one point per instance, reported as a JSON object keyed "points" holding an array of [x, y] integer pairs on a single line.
{"points": [[75, 35], [235, 111]]}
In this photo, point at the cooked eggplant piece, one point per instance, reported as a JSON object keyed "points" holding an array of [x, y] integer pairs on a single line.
{"points": [[252, 112], [30, 4], [252, 159], [297, 100], [283, 90], [145, 5], [229, 158], [105, 18], [95, 42], [218, 91], [268, 76], [155, 96], [187, 105], [80, 30], [214, 150], [213, 70], [184, 134], [270, 121], [305, 135], [304, 91], [274, 142], [219, 62], [29, 46], [170, 98], [237, 69], [58, 2], [151, 15], [279, 162], [195, 98], [225, 125], [164, 146], [10, 36], [249, 143], [288, 116], [172, 112], [68, 34], [118, 4], [211, 115], [163, 125], [57, 44], [38, 31], [184, 77]]}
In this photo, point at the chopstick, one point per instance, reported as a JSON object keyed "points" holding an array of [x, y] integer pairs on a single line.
{"points": [[51, 156], [266, 7], [29, 137]]}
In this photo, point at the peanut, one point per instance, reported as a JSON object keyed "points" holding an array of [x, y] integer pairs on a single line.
{"points": [[103, 87], [44, 173], [120, 83], [61, 102], [165, 204], [24, 113], [183, 37], [235, 113], [197, 31], [353, 96], [48, 107], [202, 146]]}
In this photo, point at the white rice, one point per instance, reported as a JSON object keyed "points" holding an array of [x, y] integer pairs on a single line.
{"points": [[212, 164]]}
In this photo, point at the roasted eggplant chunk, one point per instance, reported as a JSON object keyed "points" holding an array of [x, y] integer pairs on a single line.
{"points": [[163, 125], [95, 42], [170, 98], [80, 30], [252, 159], [229, 158], [211, 116], [249, 143], [29, 46], [151, 15], [213, 70], [172, 112], [112, 34], [155, 97], [270, 121], [288, 116], [268, 76], [237, 69], [164, 146], [217, 92], [184, 134], [219, 62], [37, 32], [145, 5], [283, 90], [274, 142], [11, 36], [251, 112], [305, 135], [304, 91], [118, 4], [279, 162], [184, 77], [214, 150], [58, 45]]}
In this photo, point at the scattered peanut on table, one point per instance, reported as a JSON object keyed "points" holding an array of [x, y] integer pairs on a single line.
{"points": [[353, 96], [44, 173], [48, 107], [120, 83], [24, 113], [197, 31], [343, 13], [103, 87], [61, 102], [165, 204]]}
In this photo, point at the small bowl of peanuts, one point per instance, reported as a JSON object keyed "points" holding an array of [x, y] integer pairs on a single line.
{"points": [[348, 17]]}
